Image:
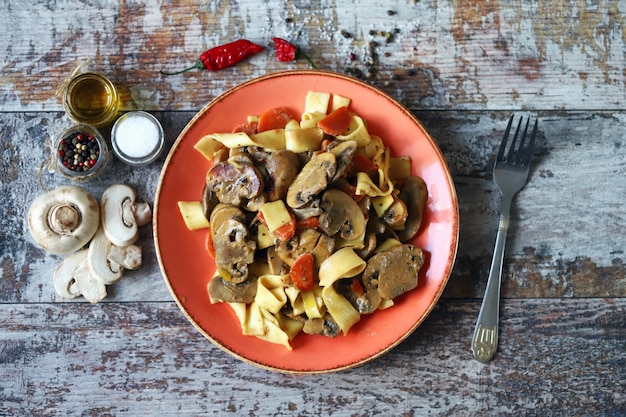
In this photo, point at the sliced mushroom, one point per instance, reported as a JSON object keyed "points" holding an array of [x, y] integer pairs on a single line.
{"points": [[282, 169], [121, 216], [312, 179], [341, 214], [222, 291], [277, 265], [108, 261], [63, 220], [209, 200], [326, 326], [307, 241], [344, 151], [395, 216], [234, 251], [414, 193], [73, 278], [394, 271], [235, 185], [365, 302]]}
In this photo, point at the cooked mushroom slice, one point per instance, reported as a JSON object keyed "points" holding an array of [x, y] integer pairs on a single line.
{"points": [[307, 241], [395, 216], [121, 216], [222, 291], [365, 301], [312, 179], [64, 220], [108, 261], [325, 326], [277, 265], [73, 278], [414, 193], [394, 271], [235, 185], [282, 168], [344, 151], [209, 200], [234, 251], [369, 247], [341, 214], [312, 209]]}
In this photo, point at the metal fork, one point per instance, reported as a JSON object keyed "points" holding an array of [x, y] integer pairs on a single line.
{"points": [[510, 174]]}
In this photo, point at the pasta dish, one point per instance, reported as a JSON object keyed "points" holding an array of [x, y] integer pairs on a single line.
{"points": [[309, 219]]}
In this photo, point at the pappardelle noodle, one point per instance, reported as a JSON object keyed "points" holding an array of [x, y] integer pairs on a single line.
{"points": [[309, 219]]}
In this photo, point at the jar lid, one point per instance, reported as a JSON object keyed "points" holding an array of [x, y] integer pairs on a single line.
{"points": [[137, 138]]}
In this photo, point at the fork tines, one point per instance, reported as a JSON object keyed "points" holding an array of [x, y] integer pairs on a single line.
{"points": [[523, 154]]}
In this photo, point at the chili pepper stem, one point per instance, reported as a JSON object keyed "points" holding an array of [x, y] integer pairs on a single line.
{"points": [[197, 65], [299, 54]]}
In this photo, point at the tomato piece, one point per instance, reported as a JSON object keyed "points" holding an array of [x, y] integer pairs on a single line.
{"points": [[275, 118], [249, 128], [336, 122], [356, 287], [308, 223], [287, 230], [209, 244], [302, 272], [361, 163]]}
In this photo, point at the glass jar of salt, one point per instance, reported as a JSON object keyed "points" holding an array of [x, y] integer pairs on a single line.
{"points": [[137, 138]]}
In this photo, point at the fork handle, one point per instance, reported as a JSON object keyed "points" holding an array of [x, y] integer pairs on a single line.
{"points": [[485, 338]]}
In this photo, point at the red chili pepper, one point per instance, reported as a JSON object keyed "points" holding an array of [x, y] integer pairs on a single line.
{"points": [[287, 52], [222, 56]]}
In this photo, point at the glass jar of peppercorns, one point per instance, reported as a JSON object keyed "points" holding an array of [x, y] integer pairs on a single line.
{"points": [[81, 153]]}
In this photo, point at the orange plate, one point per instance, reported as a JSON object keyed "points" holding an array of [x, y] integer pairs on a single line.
{"points": [[187, 268]]}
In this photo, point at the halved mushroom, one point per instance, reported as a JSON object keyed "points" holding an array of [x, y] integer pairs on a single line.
{"points": [[394, 271], [222, 291], [341, 214], [73, 278], [233, 250], [282, 168], [312, 179], [63, 220], [121, 215], [235, 184], [108, 261], [414, 193]]}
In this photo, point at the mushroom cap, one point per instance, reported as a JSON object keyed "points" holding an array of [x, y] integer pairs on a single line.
{"points": [[117, 207], [64, 220]]}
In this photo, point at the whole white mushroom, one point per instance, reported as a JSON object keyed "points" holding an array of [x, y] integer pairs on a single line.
{"points": [[64, 220]]}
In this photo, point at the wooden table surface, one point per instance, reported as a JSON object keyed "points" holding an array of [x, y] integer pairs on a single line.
{"points": [[462, 67]]}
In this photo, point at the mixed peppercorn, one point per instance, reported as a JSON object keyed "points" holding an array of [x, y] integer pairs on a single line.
{"points": [[79, 151]]}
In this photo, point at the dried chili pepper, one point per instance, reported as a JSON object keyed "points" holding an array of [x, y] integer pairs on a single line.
{"points": [[287, 52], [222, 56]]}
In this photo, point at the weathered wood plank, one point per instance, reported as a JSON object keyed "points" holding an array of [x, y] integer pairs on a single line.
{"points": [[139, 359], [577, 177], [431, 54]]}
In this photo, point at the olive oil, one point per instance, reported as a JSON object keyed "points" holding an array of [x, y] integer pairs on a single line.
{"points": [[92, 99]]}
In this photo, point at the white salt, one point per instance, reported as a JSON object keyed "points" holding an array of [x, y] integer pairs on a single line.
{"points": [[137, 136]]}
